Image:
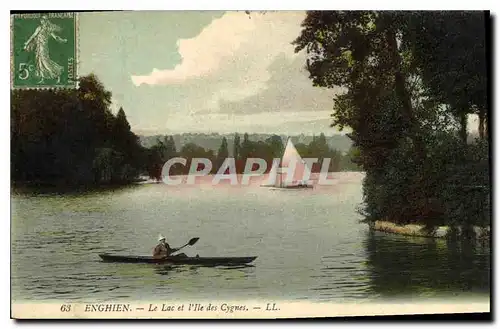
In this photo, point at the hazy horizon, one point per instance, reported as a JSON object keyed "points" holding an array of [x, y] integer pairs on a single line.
{"points": [[241, 133]]}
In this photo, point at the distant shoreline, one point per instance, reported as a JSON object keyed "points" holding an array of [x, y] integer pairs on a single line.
{"points": [[60, 187], [63, 187]]}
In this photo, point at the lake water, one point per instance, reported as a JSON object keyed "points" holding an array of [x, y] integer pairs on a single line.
{"points": [[310, 246]]}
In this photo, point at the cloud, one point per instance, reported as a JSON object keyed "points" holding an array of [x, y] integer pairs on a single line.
{"points": [[289, 89], [229, 40], [231, 54], [240, 74], [202, 55]]}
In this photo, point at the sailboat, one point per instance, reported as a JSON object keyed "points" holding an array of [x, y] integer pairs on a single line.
{"points": [[279, 171]]}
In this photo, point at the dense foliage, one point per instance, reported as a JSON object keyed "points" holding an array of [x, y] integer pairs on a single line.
{"points": [[71, 137], [410, 80]]}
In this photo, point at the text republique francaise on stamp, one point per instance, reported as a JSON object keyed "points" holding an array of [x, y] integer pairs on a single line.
{"points": [[44, 50]]}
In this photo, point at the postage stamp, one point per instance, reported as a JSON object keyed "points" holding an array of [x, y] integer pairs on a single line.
{"points": [[44, 50], [256, 165]]}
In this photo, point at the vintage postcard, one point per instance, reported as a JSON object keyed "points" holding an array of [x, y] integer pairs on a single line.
{"points": [[249, 164]]}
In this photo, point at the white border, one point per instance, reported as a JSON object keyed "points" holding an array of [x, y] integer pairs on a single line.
{"points": [[254, 5]]}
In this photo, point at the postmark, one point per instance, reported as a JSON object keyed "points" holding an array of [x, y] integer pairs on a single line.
{"points": [[44, 50]]}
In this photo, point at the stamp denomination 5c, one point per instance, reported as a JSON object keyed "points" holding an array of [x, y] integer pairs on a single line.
{"points": [[44, 50]]}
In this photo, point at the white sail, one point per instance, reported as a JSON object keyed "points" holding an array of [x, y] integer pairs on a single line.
{"points": [[290, 163], [290, 158], [290, 154]]}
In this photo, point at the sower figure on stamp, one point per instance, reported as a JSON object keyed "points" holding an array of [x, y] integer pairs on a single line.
{"points": [[163, 249], [45, 68]]}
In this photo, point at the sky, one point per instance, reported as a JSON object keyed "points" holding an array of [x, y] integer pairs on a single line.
{"points": [[206, 71], [224, 72]]}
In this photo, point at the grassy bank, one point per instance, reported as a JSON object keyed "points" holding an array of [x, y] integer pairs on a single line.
{"points": [[481, 233]]}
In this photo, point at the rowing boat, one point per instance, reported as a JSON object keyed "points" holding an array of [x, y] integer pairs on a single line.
{"points": [[210, 261]]}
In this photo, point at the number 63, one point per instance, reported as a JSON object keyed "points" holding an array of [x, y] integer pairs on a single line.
{"points": [[65, 308]]}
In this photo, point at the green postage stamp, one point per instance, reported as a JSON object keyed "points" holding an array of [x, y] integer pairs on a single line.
{"points": [[44, 50]]}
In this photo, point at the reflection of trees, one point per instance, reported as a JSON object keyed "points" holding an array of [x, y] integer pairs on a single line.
{"points": [[405, 266]]}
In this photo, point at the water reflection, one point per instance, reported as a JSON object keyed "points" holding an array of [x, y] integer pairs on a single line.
{"points": [[341, 274], [422, 267], [166, 269], [70, 191], [56, 240], [196, 269]]}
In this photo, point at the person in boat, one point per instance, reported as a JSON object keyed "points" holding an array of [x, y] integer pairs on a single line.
{"points": [[163, 249]]}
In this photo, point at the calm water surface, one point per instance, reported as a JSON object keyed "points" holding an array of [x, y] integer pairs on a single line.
{"points": [[310, 246]]}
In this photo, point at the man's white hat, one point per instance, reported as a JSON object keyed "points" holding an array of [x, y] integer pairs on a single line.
{"points": [[161, 237]]}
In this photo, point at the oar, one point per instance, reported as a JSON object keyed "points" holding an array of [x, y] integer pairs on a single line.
{"points": [[190, 243]]}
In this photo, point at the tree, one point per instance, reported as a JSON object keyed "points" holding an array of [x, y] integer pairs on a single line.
{"points": [[121, 123], [222, 153], [449, 50], [155, 161], [191, 150], [276, 146], [121, 133], [358, 51], [246, 148], [170, 150], [70, 137], [236, 147], [398, 96]]}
